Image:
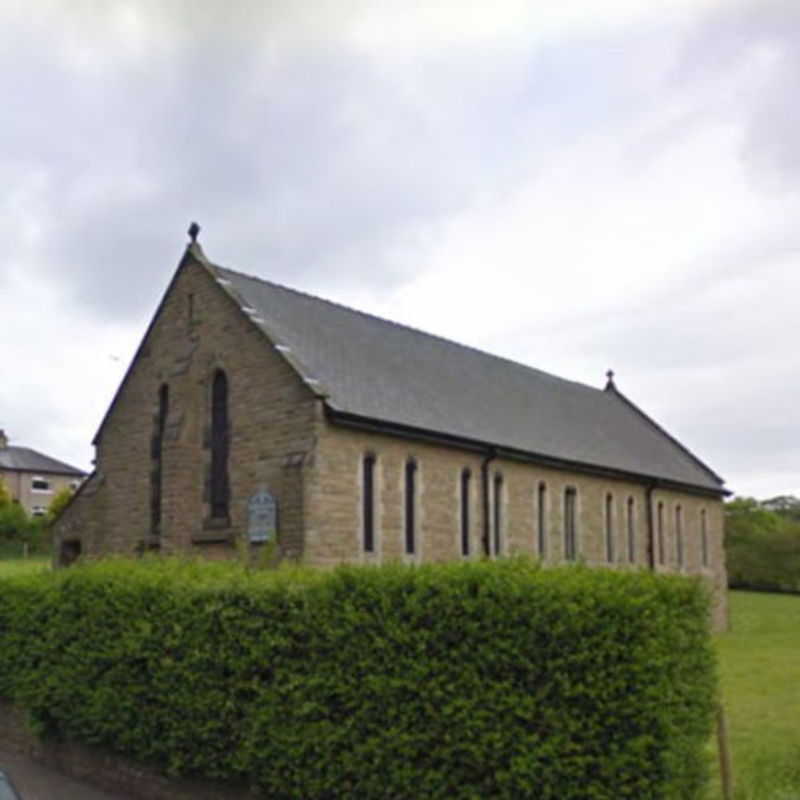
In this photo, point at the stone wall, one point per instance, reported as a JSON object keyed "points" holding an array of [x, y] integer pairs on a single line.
{"points": [[281, 440], [196, 331], [334, 530]]}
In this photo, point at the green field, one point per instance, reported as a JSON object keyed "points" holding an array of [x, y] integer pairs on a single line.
{"points": [[759, 662], [18, 566]]}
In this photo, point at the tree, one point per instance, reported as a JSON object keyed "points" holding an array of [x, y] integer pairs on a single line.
{"points": [[5, 494], [786, 505], [762, 544], [58, 504]]}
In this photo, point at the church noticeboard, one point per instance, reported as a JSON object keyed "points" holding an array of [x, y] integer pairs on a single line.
{"points": [[262, 517]]}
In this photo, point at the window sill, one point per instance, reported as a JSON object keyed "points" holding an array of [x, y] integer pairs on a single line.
{"points": [[215, 529]]}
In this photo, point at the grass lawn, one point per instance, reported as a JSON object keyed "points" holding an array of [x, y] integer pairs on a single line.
{"points": [[759, 661], [18, 566]]}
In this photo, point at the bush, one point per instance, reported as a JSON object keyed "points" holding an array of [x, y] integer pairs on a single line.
{"points": [[460, 681], [18, 529]]}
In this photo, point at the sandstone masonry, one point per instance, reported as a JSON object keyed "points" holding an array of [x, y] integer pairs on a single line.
{"points": [[283, 436]]}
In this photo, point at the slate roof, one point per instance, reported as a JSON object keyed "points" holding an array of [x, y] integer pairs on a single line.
{"points": [[383, 371], [23, 459]]}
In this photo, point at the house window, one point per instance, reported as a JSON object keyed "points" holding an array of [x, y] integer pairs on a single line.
{"points": [[609, 515], [220, 487], [498, 513], [411, 506], [704, 538], [570, 524], [38, 511], [156, 474], [40, 484], [541, 519], [679, 535], [631, 532], [368, 502], [660, 533], [465, 480]]}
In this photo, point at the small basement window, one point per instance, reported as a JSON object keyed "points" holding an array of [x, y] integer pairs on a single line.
{"points": [[69, 552], [38, 511]]}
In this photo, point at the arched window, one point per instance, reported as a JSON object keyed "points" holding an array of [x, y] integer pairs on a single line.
{"points": [[679, 535], [631, 532], [368, 502], [609, 515], [704, 538], [498, 513], [411, 506], [466, 475], [660, 534], [156, 474], [570, 524], [541, 519], [220, 434]]}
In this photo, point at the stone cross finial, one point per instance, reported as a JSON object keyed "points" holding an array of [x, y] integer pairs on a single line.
{"points": [[3, 439], [194, 229]]}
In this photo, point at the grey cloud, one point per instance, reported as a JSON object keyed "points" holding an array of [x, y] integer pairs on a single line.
{"points": [[768, 109], [302, 162]]}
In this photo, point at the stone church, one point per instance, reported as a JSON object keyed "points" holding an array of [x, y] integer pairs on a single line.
{"points": [[254, 413]]}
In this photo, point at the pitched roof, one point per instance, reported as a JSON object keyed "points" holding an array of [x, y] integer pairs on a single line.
{"points": [[23, 459], [380, 370]]}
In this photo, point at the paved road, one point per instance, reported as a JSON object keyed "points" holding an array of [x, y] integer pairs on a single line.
{"points": [[35, 782]]}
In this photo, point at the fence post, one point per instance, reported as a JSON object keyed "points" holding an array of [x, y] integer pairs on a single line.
{"points": [[725, 767]]}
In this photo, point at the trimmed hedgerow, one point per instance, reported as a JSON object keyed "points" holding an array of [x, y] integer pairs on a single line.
{"points": [[445, 681]]}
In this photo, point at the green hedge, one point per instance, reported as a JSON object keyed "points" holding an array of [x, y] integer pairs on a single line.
{"points": [[460, 681]]}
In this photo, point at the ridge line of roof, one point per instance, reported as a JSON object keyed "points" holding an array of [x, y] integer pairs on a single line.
{"points": [[407, 327]]}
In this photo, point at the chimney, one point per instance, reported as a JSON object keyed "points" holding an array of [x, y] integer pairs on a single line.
{"points": [[3, 439]]}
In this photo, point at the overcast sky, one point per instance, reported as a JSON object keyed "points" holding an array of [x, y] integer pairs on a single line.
{"points": [[599, 183]]}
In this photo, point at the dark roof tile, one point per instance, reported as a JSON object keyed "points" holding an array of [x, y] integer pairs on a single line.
{"points": [[384, 371], [23, 459]]}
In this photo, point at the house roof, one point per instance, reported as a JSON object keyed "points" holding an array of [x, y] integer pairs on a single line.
{"points": [[373, 369], [24, 459]]}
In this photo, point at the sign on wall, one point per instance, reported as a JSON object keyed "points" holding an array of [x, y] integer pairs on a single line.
{"points": [[262, 517]]}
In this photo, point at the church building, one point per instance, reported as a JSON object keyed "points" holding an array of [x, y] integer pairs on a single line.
{"points": [[253, 413]]}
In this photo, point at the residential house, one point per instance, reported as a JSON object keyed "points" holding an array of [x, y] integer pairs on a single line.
{"points": [[32, 478]]}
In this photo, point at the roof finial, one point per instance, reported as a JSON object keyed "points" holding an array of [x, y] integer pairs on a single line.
{"points": [[610, 376], [194, 229]]}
